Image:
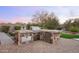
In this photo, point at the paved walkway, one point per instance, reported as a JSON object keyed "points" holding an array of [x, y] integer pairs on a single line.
{"points": [[67, 46], [5, 39]]}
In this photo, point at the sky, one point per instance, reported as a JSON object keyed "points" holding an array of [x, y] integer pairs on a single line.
{"points": [[24, 14]]}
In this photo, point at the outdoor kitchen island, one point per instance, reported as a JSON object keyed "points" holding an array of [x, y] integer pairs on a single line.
{"points": [[50, 36]]}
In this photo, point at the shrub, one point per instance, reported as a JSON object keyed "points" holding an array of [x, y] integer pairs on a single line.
{"points": [[5, 29], [28, 26], [17, 27], [74, 29]]}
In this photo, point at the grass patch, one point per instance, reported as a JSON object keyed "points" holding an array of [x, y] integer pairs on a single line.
{"points": [[69, 36]]}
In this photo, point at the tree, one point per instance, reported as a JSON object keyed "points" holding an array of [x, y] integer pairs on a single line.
{"points": [[76, 22], [51, 24], [46, 20], [67, 25], [72, 25]]}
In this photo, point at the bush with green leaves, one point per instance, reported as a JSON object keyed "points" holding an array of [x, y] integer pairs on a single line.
{"points": [[17, 27], [74, 29], [28, 26], [5, 29]]}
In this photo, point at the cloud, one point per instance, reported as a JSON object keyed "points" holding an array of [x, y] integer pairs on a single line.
{"points": [[16, 19], [2, 21], [62, 19], [21, 19], [26, 20]]}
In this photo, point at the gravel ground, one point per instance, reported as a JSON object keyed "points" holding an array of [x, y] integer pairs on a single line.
{"points": [[63, 46]]}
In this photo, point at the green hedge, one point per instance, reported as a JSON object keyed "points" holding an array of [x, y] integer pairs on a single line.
{"points": [[69, 36]]}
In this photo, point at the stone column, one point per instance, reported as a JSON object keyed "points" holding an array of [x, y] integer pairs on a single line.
{"points": [[55, 37], [18, 38], [52, 37]]}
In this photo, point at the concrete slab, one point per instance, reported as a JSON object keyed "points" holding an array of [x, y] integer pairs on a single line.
{"points": [[5, 39]]}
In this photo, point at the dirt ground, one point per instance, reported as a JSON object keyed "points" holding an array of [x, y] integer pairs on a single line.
{"points": [[63, 46]]}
